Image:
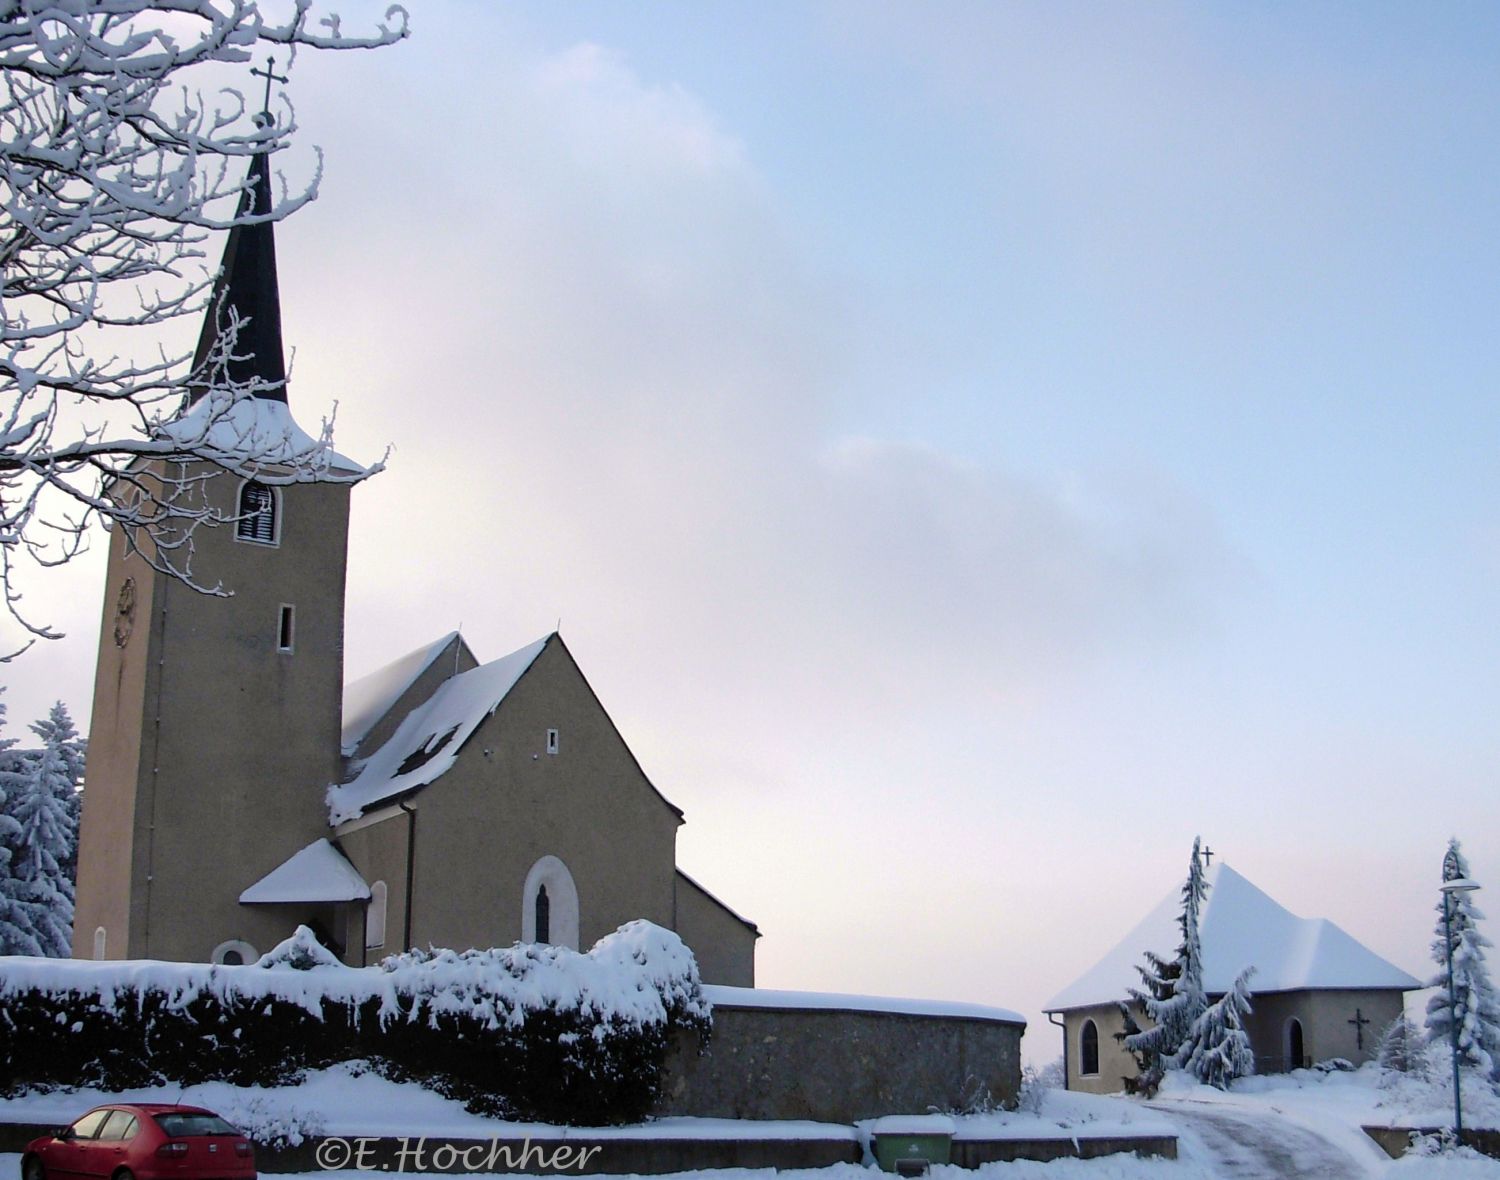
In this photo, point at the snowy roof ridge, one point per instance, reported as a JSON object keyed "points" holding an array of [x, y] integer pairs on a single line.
{"points": [[319, 872], [693, 881], [372, 696], [428, 740], [1241, 926]]}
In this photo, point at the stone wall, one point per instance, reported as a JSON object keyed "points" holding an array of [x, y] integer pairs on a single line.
{"points": [[838, 1065]]}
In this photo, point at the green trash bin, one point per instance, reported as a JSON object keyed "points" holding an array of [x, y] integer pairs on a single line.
{"points": [[910, 1144]]}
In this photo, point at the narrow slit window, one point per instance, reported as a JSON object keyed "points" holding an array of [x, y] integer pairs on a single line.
{"points": [[552, 741], [256, 519], [286, 629], [543, 915]]}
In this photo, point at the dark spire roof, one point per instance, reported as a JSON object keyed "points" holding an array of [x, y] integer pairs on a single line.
{"points": [[247, 283]]}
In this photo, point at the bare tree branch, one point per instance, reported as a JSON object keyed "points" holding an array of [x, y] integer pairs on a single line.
{"points": [[114, 171]]}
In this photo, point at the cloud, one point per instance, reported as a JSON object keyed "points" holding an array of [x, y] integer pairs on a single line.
{"points": [[612, 378]]}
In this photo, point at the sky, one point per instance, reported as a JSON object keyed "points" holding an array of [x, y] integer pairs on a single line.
{"points": [[971, 449]]}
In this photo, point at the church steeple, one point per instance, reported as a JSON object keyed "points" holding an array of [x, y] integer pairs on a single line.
{"points": [[246, 290]]}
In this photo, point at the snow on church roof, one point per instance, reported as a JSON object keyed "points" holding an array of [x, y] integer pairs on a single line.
{"points": [[429, 738], [320, 872], [1240, 927], [371, 697]]}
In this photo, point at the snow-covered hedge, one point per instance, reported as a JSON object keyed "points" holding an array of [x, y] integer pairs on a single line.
{"points": [[534, 1032]]}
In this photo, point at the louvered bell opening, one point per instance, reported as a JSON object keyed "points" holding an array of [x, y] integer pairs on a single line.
{"points": [[257, 514]]}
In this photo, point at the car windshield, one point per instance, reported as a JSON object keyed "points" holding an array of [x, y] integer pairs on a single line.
{"points": [[179, 1124]]}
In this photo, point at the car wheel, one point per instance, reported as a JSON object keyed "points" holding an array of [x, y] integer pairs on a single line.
{"points": [[32, 1169], [123, 1174]]}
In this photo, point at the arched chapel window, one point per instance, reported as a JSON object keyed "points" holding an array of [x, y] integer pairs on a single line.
{"points": [[1296, 1053], [256, 516], [1088, 1048]]}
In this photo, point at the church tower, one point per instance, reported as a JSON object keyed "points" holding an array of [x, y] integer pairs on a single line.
{"points": [[216, 719]]}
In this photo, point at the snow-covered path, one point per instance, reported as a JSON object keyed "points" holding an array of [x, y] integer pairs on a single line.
{"points": [[1244, 1144]]}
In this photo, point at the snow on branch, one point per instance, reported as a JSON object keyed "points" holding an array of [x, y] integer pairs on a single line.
{"points": [[114, 170]]}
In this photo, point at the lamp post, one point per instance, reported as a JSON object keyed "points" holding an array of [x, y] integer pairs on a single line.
{"points": [[1453, 883]]}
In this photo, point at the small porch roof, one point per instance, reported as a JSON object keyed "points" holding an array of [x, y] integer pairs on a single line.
{"points": [[318, 873]]}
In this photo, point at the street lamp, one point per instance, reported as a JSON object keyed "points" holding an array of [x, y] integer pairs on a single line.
{"points": [[1453, 883]]}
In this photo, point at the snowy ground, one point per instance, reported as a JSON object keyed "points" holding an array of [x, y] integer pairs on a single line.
{"points": [[1303, 1125]]}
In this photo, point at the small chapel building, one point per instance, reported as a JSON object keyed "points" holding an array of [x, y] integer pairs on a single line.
{"points": [[1316, 992], [238, 788]]}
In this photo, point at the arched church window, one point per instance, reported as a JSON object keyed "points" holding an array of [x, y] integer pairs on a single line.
{"points": [[1088, 1048], [543, 915], [549, 904], [234, 953], [375, 915], [99, 939], [255, 519]]}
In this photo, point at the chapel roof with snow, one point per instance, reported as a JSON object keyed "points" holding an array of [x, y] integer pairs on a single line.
{"points": [[1240, 926]]}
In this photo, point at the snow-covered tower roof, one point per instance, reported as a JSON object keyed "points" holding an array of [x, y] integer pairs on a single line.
{"points": [[1240, 927], [237, 413], [247, 291]]}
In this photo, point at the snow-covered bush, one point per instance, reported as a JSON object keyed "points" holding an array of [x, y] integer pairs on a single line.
{"points": [[1036, 1081], [271, 1124], [541, 1031], [537, 1032]]}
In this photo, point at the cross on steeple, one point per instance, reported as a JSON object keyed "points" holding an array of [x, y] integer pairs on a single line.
{"points": [[1208, 856], [270, 75], [1359, 1022]]}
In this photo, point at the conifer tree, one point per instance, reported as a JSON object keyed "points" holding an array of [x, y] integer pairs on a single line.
{"points": [[1400, 1048], [41, 805], [1477, 1007], [1174, 996], [1217, 1049], [69, 749], [16, 926]]}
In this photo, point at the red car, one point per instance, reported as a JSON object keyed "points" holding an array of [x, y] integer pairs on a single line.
{"points": [[142, 1141]]}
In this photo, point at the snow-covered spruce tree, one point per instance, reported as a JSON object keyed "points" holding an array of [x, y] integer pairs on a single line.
{"points": [[1478, 1011], [62, 742], [17, 936], [1173, 997], [1217, 1049], [114, 169], [41, 804], [1400, 1049]]}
